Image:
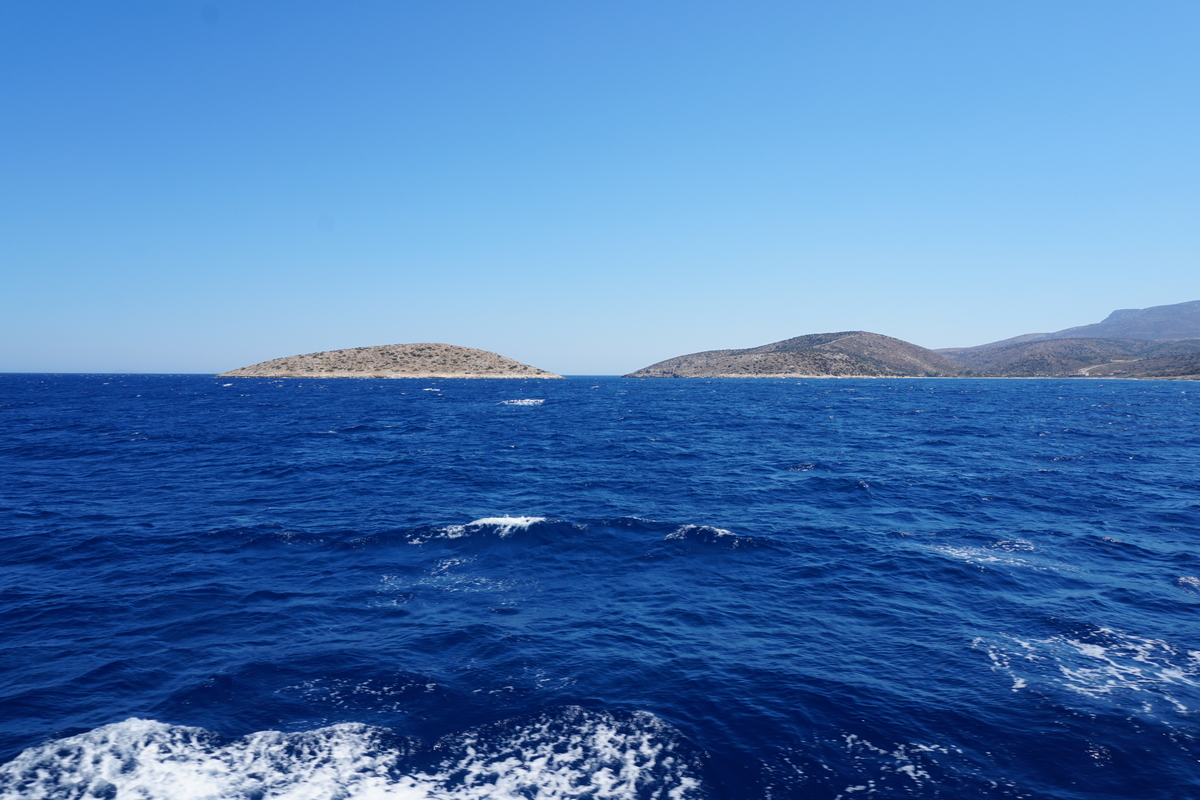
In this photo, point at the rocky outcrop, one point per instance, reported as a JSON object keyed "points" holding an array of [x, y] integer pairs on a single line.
{"points": [[849, 354], [423, 360]]}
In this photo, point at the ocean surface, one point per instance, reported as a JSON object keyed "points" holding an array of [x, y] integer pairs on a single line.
{"points": [[598, 588]]}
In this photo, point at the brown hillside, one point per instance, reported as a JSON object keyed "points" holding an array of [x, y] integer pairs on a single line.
{"points": [[421, 360], [1129, 358], [818, 355]]}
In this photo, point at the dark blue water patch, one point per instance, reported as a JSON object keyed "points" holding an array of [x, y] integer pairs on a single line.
{"points": [[941, 588]]}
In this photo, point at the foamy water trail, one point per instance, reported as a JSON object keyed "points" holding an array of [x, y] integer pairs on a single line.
{"points": [[571, 753]]}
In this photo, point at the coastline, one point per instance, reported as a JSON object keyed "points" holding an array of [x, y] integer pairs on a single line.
{"points": [[726, 377]]}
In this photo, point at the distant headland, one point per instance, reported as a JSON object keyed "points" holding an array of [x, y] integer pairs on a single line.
{"points": [[421, 360], [1162, 342]]}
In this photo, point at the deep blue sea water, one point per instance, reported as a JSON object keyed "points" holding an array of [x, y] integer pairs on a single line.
{"points": [[598, 588]]}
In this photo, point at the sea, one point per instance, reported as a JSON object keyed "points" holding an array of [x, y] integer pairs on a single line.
{"points": [[598, 588]]}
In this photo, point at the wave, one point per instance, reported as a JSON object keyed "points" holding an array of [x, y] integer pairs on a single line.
{"points": [[504, 526], [708, 535], [532, 530], [485, 528], [559, 754]]}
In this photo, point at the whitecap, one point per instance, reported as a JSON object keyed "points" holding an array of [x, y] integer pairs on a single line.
{"points": [[705, 531], [709, 536], [509, 523], [559, 755], [524, 401], [505, 526]]}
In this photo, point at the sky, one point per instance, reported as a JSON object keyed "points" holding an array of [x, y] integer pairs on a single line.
{"points": [[588, 187]]}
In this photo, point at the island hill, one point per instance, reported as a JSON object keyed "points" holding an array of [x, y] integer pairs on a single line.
{"points": [[1160, 342], [421, 360], [849, 354]]}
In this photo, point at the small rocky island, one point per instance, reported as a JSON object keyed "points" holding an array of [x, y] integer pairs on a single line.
{"points": [[848, 354], [422, 360]]}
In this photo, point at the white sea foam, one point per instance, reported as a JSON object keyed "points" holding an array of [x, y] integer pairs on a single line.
{"points": [[685, 531], [1104, 665], [524, 401], [979, 555], [572, 753], [457, 575], [895, 769], [1001, 552], [505, 525], [709, 536]]}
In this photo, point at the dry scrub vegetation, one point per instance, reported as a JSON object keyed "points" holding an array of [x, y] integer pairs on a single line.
{"points": [[422, 360]]}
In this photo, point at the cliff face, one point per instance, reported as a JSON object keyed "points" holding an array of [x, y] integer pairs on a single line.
{"points": [[818, 355], [422, 360]]}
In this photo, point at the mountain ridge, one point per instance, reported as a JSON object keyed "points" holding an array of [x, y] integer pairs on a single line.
{"points": [[1130, 358], [1173, 322], [1155, 342]]}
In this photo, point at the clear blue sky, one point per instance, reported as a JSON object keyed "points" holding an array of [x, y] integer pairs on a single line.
{"points": [[585, 186]]}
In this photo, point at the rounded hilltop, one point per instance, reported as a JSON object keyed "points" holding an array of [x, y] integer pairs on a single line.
{"points": [[420, 360], [847, 354]]}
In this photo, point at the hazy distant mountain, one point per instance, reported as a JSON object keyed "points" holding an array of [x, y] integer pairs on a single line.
{"points": [[1157, 323], [423, 360], [818, 355], [1161, 341]]}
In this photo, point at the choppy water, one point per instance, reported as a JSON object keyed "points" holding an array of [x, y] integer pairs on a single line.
{"points": [[599, 588]]}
